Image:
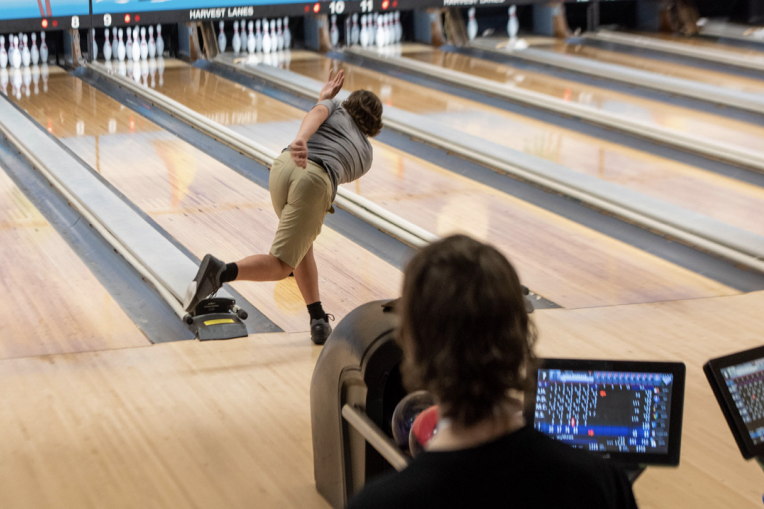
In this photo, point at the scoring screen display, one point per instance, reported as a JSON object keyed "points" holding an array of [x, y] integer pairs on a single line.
{"points": [[605, 411], [745, 382], [24, 9]]}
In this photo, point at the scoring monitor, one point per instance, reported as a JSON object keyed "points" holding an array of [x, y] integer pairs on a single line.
{"points": [[738, 383], [630, 412]]}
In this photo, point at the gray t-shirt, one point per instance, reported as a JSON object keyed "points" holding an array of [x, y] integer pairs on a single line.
{"points": [[340, 147]]}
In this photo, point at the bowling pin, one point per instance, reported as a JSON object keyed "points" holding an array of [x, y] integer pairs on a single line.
{"points": [[136, 45], [258, 37], [513, 25], [26, 56], [364, 32], [121, 47], [355, 32], [380, 32], [236, 42], [114, 42], [251, 39], [3, 57], [144, 44], [35, 52], [389, 31], [334, 33], [106, 46], [372, 26], [274, 40], [95, 46], [129, 45], [398, 27], [160, 42], [266, 37], [287, 34], [221, 38], [15, 53], [472, 25], [43, 49], [279, 34], [152, 43], [347, 30]]}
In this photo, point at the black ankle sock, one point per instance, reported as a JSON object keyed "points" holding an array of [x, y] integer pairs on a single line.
{"points": [[316, 311], [230, 273]]}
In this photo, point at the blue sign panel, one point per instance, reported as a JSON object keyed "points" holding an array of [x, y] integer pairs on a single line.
{"points": [[132, 6]]}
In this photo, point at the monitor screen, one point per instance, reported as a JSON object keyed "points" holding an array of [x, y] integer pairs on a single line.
{"points": [[738, 384], [745, 383], [615, 411], [24, 9]]}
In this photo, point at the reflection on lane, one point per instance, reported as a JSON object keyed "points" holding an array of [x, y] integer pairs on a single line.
{"points": [[717, 78], [685, 120], [728, 200]]}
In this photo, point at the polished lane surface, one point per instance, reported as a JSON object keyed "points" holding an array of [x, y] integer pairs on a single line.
{"points": [[726, 199], [50, 301], [202, 203], [685, 120], [688, 72], [704, 42], [561, 260]]}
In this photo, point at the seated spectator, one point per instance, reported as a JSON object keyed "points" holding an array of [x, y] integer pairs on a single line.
{"points": [[467, 338]]}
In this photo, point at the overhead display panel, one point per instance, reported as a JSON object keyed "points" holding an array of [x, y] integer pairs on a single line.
{"points": [[128, 12], [28, 15]]}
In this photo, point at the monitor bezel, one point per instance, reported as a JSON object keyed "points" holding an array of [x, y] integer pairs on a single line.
{"points": [[678, 369], [713, 371]]}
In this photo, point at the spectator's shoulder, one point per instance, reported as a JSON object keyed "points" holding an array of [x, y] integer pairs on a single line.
{"points": [[401, 490]]}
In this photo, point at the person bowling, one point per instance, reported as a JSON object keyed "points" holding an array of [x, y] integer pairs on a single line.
{"points": [[331, 148]]}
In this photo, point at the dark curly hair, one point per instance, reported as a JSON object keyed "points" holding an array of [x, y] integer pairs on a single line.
{"points": [[366, 110], [465, 333]]}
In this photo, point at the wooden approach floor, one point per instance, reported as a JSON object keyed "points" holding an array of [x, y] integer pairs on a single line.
{"points": [[227, 424]]}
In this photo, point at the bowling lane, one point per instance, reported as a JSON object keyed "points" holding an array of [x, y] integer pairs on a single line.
{"points": [[202, 203], [561, 260], [726, 199], [720, 79], [685, 120], [50, 301]]}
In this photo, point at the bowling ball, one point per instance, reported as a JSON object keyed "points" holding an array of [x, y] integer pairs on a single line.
{"points": [[424, 428], [405, 413]]}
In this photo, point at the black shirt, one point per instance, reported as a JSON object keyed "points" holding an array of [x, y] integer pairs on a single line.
{"points": [[524, 469]]}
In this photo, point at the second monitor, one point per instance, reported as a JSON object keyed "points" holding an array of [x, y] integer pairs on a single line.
{"points": [[627, 412]]}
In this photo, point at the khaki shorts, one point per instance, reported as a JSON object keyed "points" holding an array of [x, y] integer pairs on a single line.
{"points": [[301, 199]]}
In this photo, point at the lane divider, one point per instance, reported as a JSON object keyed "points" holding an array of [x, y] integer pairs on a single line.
{"points": [[159, 262]]}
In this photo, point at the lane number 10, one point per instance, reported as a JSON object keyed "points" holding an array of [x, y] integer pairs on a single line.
{"points": [[337, 7], [367, 5]]}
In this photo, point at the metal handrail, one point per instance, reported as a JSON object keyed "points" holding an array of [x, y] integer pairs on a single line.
{"points": [[375, 437]]}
